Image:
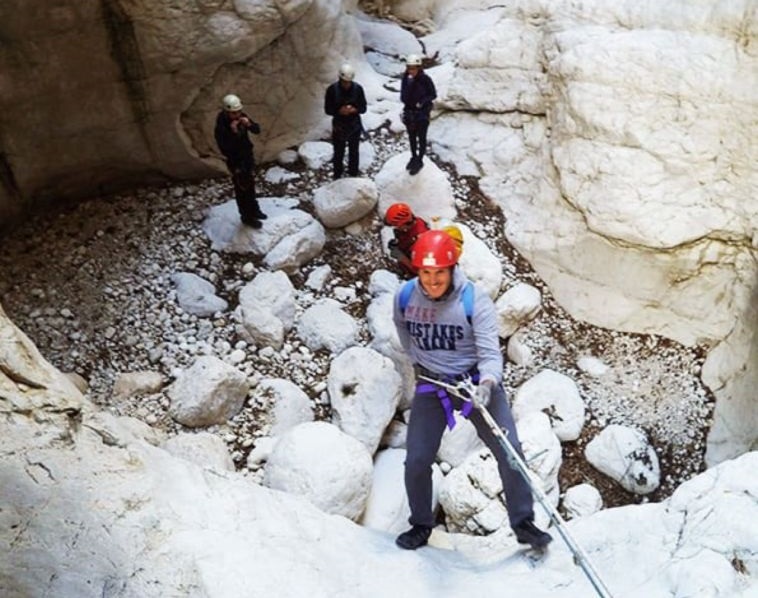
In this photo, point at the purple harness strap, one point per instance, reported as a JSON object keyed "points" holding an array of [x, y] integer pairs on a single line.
{"points": [[447, 404]]}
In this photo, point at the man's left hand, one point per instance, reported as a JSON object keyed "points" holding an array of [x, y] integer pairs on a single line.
{"points": [[482, 395]]}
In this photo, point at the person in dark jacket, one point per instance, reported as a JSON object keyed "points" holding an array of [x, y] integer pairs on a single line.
{"points": [[417, 92], [345, 101], [232, 137]]}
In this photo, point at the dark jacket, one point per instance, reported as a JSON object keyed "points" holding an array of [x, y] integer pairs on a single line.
{"points": [[237, 147], [417, 94], [406, 238], [336, 97]]}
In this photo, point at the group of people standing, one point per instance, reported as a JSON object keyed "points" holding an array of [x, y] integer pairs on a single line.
{"points": [[344, 101], [445, 323]]}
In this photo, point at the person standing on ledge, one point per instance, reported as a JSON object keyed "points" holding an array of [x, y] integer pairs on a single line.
{"points": [[345, 101], [232, 137], [417, 93], [448, 327]]}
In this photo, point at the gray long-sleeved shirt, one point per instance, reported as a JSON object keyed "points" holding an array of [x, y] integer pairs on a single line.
{"points": [[437, 336]]}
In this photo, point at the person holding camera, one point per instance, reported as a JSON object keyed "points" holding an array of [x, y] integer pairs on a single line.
{"points": [[345, 101], [232, 133]]}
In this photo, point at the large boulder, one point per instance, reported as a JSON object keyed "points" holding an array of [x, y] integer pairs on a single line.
{"points": [[143, 109], [617, 173]]}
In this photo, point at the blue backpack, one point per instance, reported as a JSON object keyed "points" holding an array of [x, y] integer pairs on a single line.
{"points": [[467, 297]]}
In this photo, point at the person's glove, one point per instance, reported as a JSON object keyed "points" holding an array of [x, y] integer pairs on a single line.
{"points": [[396, 253], [482, 394]]}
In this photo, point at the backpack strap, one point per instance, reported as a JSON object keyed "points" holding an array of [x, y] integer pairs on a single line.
{"points": [[467, 297], [405, 294], [468, 300]]}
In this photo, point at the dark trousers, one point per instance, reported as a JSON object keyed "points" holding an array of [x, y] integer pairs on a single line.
{"points": [[244, 193], [352, 141], [417, 137], [425, 429]]}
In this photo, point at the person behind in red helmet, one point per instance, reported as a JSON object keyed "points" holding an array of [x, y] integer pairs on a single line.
{"points": [[448, 327], [407, 227]]}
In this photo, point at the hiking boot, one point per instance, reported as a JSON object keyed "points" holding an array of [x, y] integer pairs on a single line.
{"points": [[252, 223], [528, 533], [411, 163], [259, 215], [414, 538], [417, 165]]}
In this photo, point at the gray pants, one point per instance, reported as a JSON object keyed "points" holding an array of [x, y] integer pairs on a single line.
{"points": [[425, 429]]}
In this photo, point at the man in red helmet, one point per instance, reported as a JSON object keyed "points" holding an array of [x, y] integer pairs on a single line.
{"points": [[407, 227], [447, 343]]}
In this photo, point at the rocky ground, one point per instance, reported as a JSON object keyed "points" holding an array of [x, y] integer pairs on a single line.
{"points": [[91, 285]]}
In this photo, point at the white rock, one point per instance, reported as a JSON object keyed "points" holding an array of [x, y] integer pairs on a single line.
{"points": [[625, 455], [343, 201], [266, 309], [208, 392], [592, 366], [326, 325], [467, 492], [518, 351], [457, 444], [387, 507], [261, 451], [277, 174], [196, 295], [324, 465], [203, 448], [287, 404], [429, 193], [364, 390], [558, 396], [315, 154], [129, 384], [318, 277], [582, 500], [515, 307], [542, 451]]}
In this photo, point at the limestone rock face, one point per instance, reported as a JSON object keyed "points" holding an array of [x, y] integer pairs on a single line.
{"points": [[109, 94], [644, 216]]}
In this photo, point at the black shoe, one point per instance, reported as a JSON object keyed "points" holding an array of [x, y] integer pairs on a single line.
{"points": [[252, 223], [417, 165], [414, 538], [259, 215], [528, 533], [411, 163]]}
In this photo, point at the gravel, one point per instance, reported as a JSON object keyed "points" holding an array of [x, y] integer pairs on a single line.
{"points": [[90, 283]]}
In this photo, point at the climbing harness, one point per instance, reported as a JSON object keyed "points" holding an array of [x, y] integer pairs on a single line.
{"points": [[465, 390], [447, 404]]}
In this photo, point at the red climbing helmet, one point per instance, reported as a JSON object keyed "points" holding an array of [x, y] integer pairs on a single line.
{"points": [[434, 249], [398, 214]]}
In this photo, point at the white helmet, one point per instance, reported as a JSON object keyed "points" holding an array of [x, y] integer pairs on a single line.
{"points": [[231, 103], [413, 60], [347, 72]]}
